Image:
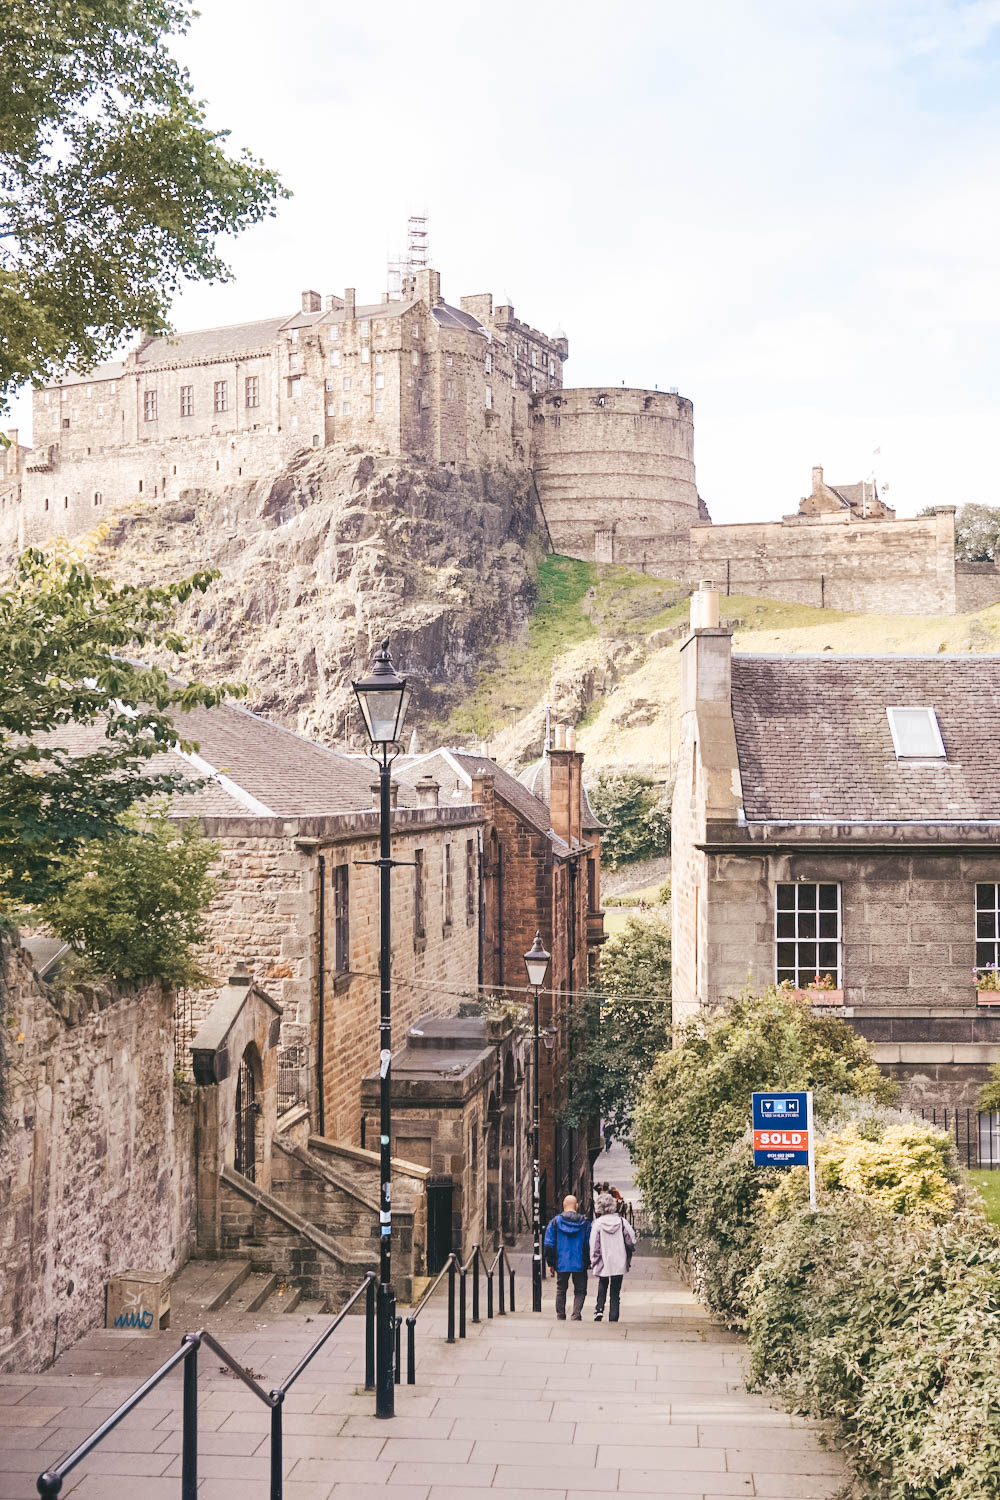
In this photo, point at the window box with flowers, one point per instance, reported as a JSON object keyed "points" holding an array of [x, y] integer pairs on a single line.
{"points": [[987, 985], [821, 990]]}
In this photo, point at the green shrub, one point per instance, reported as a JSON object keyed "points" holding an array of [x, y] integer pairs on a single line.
{"points": [[696, 1101], [133, 903], [636, 817]]}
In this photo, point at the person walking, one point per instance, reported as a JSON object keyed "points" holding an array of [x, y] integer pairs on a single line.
{"points": [[567, 1253], [612, 1241]]}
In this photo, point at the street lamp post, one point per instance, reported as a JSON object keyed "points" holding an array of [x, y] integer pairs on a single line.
{"points": [[383, 698], [536, 961]]}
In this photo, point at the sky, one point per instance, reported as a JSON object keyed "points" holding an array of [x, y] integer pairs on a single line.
{"points": [[788, 209]]}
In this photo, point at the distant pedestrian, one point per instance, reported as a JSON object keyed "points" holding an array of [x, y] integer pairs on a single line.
{"points": [[567, 1253], [612, 1241], [608, 1137]]}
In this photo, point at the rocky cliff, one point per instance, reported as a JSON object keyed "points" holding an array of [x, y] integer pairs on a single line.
{"points": [[320, 560]]}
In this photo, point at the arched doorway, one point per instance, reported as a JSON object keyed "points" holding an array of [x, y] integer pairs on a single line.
{"points": [[247, 1116]]}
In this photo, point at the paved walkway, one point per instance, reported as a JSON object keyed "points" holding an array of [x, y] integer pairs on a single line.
{"points": [[654, 1405]]}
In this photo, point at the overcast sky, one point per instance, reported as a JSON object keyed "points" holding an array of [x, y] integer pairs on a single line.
{"points": [[786, 208]]}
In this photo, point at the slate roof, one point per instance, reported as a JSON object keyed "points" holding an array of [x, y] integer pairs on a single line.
{"points": [[454, 770], [256, 768], [814, 743]]}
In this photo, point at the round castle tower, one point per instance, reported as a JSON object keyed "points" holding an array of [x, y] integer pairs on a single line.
{"points": [[607, 457]]}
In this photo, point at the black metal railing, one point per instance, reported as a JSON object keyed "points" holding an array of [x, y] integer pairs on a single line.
{"points": [[50, 1483], [457, 1277], [976, 1134]]}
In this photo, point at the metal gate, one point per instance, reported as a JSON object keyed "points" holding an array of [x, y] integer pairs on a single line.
{"points": [[247, 1110], [439, 1244]]}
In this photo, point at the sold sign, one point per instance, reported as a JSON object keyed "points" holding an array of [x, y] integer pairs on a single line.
{"points": [[783, 1133]]}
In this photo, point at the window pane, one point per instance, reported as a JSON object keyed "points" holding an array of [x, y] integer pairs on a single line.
{"points": [[828, 924], [986, 955], [986, 897], [807, 896], [916, 731], [807, 924], [786, 924], [828, 898], [828, 958], [786, 897], [986, 924], [788, 974], [786, 955], [808, 958]]}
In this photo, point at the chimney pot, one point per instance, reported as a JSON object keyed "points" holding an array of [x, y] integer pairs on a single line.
{"points": [[241, 974], [570, 737], [560, 741], [428, 791], [705, 606]]}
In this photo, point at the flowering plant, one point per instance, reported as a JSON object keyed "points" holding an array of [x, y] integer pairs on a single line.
{"points": [[988, 978], [821, 982]]}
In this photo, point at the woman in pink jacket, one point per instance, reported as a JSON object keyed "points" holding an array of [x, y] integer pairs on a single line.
{"points": [[612, 1240]]}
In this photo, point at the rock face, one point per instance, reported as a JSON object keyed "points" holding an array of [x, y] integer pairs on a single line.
{"points": [[322, 559]]}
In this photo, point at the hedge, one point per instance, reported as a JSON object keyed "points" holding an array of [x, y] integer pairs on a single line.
{"points": [[881, 1310]]}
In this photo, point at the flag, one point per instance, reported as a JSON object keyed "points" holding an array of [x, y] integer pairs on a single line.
{"points": [[876, 451]]}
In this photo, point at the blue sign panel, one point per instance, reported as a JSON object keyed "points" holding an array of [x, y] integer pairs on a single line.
{"points": [[781, 1130]]}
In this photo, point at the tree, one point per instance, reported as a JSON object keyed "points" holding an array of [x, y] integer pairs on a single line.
{"points": [[636, 818], [977, 533], [619, 1031], [65, 637], [133, 903], [113, 189]]}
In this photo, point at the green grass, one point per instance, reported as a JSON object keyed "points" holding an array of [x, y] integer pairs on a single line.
{"points": [[988, 1184]]}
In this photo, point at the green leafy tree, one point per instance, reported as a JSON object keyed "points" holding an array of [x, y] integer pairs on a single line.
{"points": [[113, 188], [66, 639], [619, 1031], [696, 1101], [977, 533], [133, 903], [636, 817]]}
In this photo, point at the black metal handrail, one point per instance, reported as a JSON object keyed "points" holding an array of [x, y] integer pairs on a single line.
{"points": [[449, 1269], [50, 1483], [501, 1261], [476, 1259]]}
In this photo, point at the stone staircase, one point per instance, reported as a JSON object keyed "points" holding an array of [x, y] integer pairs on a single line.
{"points": [[230, 1294]]}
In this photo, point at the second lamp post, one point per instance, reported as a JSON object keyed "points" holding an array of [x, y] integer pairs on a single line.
{"points": [[384, 699], [536, 961]]}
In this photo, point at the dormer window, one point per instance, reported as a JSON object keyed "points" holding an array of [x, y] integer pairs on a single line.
{"points": [[915, 734]]}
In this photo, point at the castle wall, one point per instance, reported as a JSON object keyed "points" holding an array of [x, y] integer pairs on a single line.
{"points": [[977, 585], [606, 457], [886, 567]]}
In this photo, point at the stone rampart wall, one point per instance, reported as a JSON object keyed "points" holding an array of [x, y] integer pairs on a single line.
{"points": [[902, 567], [977, 585], [96, 1174]]}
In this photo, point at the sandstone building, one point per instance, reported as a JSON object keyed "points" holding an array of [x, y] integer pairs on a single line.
{"points": [[840, 816]]}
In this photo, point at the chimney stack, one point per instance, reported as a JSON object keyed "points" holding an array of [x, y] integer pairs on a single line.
{"points": [[332, 303], [428, 286], [349, 302], [428, 791], [311, 302], [817, 478], [376, 794], [566, 786]]}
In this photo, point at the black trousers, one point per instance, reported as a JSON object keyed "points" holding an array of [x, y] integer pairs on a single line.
{"points": [[602, 1296], [579, 1291]]}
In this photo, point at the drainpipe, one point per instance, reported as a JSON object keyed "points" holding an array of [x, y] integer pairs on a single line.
{"points": [[320, 1037]]}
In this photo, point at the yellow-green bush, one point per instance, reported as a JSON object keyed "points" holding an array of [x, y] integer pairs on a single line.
{"points": [[905, 1168]]}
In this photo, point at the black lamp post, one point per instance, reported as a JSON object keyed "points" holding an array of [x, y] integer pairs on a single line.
{"points": [[536, 961], [384, 699]]}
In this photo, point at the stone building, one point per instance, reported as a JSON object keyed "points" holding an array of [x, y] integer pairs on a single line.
{"points": [[841, 816], [540, 873]]}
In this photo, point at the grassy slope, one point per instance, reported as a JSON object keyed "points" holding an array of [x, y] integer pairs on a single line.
{"points": [[587, 611], [988, 1184]]}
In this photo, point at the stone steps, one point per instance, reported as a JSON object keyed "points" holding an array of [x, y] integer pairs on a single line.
{"points": [[203, 1286], [251, 1295]]}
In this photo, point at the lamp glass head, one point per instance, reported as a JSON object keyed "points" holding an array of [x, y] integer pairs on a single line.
{"points": [[536, 961], [383, 698]]}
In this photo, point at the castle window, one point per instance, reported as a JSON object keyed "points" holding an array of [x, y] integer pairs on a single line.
{"points": [[341, 919], [363, 325], [46, 502], [98, 498], [65, 421], [221, 395], [253, 390], [534, 358], [807, 932], [293, 387], [470, 882], [419, 912], [76, 411], [334, 331], [111, 387], [347, 382], [295, 364], [64, 395], [329, 385], [100, 411], [148, 406], [379, 382], [365, 354], [552, 367], [489, 362], [65, 502], [331, 408], [448, 361], [46, 398], [315, 439], [378, 405], [335, 356], [187, 400], [346, 408], [379, 357], [415, 357], [534, 382], [449, 390], [294, 335], [88, 391], [446, 885], [489, 398]]}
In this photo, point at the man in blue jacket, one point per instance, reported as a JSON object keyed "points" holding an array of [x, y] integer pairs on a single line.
{"points": [[567, 1253]]}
